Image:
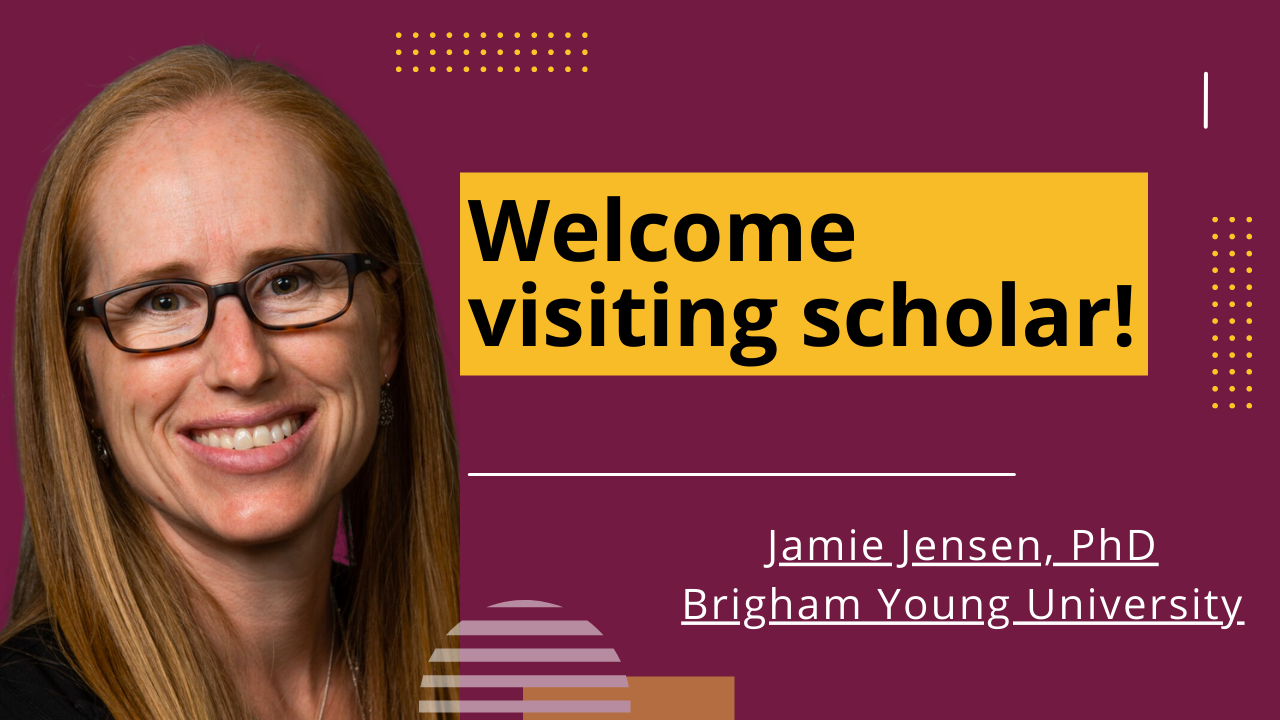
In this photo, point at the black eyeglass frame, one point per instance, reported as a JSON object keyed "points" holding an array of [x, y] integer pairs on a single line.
{"points": [[95, 306]]}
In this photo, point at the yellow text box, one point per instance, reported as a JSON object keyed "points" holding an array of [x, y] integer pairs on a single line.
{"points": [[954, 240]]}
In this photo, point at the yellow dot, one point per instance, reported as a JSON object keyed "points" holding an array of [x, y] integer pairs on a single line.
{"points": [[1248, 405], [433, 51], [499, 68], [1231, 219], [534, 51], [482, 69], [1215, 405], [1215, 287], [1215, 269], [1248, 270], [448, 34], [482, 35], [448, 68], [1232, 236], [517, 35], [1215, 354], [568, 52], [1246, 287], [1232, 338], [517, 51], [483, 51], [1249, 355], [1248, 236], [449, 51], [499, 34], [1232, 406], [1215, 321], [551, 35], [1215, 253], [1248, 219], [517, 68], [1248, 303], [415, 52], [1231, 269], [1232, 253], [1215, 371], [584, 34], [533, 35], [1248, 321], [397, 51], [397, 68], [551, 69], [415, 68], [1248, 253], [1232, 287], [1233, 371], [1249, 371], [568, 69], [1215, 388], [415, 34], [499, 51], [1215, 236], [1231, 354], [433, 68], [533, 69], [1233, 321], [433, 34], [466, 68], [1215, 338], [1248, 388], [466, 34], [1231, 304], [397, 34], [466, 52], [584, 52], [1215, 219], [551, 52], [1248, 338], [1231, 388]]}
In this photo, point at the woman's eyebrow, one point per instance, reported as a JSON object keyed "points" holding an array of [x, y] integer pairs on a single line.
{"points": [[181, 269]]}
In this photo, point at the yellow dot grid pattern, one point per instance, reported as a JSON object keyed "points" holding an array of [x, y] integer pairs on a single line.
{"points": [[570, 54], [1232, 297]]}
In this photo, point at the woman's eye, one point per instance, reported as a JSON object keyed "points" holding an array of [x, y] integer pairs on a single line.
{"points": [[164, 302], [284, 284]]}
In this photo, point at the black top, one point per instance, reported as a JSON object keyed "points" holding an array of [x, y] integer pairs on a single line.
{"points": [[37, 683]]}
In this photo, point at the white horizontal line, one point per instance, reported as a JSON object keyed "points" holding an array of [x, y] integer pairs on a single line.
{"points": [[875, 622], [836, 564], [976, 564], [1217, 623], [710, 622], [737, 474], [1109, 564]]}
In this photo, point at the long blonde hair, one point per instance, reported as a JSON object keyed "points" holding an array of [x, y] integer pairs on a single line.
{"points": [[92, 562]]}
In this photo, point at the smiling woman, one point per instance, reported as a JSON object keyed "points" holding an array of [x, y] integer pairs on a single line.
{"points": [[219, 296]]}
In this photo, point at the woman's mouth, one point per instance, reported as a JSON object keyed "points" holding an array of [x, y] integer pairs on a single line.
{"points": [[251, 449], [248, 438]]}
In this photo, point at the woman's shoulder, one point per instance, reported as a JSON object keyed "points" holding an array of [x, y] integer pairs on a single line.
{"points": [[37, 681]]}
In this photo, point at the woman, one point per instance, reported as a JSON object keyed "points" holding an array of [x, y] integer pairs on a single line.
{"points": [[186, 455]]}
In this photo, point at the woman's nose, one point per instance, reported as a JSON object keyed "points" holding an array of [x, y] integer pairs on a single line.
{"points": [[239, 354]]}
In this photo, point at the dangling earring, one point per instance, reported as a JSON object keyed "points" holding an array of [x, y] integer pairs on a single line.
{"points": [[100, 444], [386, 410]]}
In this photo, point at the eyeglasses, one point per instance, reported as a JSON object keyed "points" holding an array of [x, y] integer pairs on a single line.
{"points": [[288, 294]]}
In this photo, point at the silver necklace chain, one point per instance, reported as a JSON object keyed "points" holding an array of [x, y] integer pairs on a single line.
{"points": [[337, 624]]}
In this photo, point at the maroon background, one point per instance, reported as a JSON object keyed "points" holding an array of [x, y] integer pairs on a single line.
{"points": [[691, 87]]}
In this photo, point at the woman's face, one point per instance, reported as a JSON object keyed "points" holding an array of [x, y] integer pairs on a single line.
{"points": [[207, 195]]}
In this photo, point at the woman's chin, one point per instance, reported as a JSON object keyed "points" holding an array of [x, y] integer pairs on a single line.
{"points": [[260, 521]]}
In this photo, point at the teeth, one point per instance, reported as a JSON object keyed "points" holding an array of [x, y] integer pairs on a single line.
{"points": [[248, 438]]}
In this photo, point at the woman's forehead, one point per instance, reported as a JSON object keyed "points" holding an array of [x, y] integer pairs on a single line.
{"points": [[208, 189]]}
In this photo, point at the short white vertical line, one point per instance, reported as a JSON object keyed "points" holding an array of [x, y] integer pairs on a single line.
{"points": [[1206, 101]]}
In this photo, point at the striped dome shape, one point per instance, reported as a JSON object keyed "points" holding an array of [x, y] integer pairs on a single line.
{"points": [[526, 644]]}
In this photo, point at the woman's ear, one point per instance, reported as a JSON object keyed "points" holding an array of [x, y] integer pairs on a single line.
{"points": [[389, 332]]}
